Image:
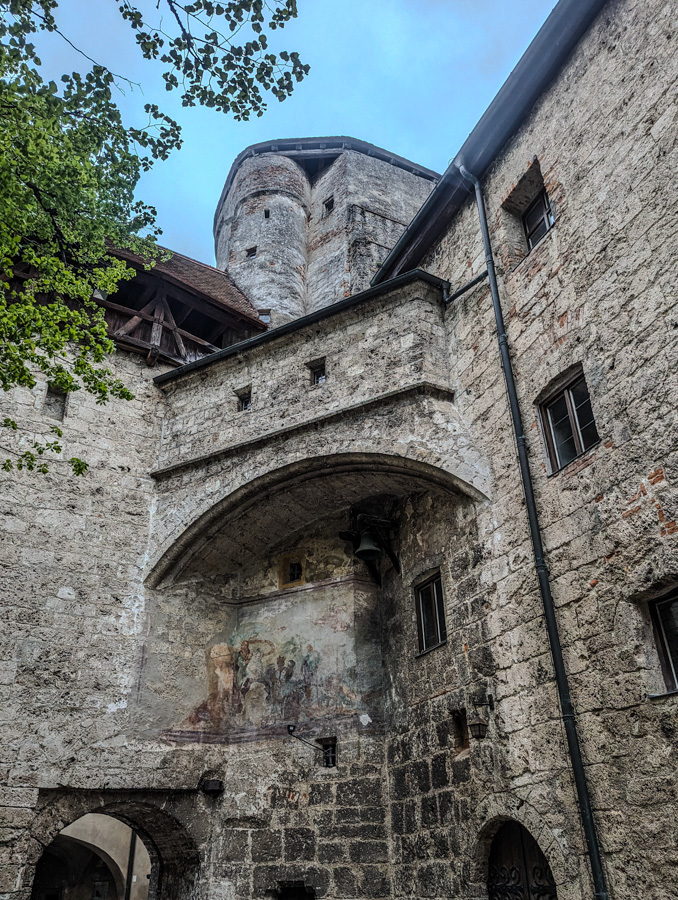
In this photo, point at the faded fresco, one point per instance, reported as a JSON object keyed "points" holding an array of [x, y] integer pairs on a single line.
{"points": [[290, 659]]}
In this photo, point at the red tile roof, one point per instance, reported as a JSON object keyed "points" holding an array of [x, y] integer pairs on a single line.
{"points": [[212, 284]]}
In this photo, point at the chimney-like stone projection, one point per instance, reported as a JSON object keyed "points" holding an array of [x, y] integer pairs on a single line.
{"points": [[304, 223]]}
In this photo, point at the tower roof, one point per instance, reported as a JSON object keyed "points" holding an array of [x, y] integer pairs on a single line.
{"points": [[314, 150]]}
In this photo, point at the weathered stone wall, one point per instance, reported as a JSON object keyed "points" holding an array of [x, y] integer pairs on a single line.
{"points": [[309, 256], [120, 586], [596, 292]]}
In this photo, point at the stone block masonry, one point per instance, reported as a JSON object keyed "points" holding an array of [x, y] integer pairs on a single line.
{"points": [[166, 618]]}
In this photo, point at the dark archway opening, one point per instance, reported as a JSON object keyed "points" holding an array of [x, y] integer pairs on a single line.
{"points": [[97, 857], [294, 890], [517, 867], [115, 848]]}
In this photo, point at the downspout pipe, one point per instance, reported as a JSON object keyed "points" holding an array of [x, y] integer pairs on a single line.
{"points": [[588, 823]]}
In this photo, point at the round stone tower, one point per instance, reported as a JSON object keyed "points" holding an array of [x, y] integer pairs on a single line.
{"points": [[261, 233], [303, 223]]}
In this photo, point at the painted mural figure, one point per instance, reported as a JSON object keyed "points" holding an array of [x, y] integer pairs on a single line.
{"points": [[256, 683]]}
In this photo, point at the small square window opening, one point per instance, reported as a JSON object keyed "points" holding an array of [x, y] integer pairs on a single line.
{"points": [[538, 219], [251, 252], [265, 315], [430, 614], [292, 570], [569, 425], [329, 748], [55, 403], [318, 375], [665, 617], [328, 206], [245, 401], [267, 213]]}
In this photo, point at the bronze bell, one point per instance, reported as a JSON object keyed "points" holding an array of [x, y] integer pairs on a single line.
{"points": [[369, 550]]}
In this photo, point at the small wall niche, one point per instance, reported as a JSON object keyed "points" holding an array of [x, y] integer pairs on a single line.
{"points": [[55, 403], [459, 735]]}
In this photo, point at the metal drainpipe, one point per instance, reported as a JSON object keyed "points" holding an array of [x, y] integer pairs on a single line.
{"points": [[130, 864], [589, 826]]}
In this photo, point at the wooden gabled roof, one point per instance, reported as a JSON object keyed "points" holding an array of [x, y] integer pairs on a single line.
{"points": [[179, 311], [212, 284]]}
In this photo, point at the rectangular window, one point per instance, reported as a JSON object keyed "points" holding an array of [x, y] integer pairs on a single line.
{"points": [[569, 425], [318, 375], [430, 614], [537, 219], [328, 206], [665, 615], [245, 401], [291, 570], [267, 213]]}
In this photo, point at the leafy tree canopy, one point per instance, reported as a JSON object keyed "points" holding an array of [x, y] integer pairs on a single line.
{"points": [[69, 166]]}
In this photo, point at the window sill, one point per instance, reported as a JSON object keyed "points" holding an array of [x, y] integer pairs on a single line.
{"points": [[578, 459], [528, 253], [673, 693], [429, 649]]}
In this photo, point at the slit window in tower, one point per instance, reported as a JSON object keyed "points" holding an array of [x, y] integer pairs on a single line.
{"points": [[328, 206], [430, 614], [267, 213], [251, 252]]}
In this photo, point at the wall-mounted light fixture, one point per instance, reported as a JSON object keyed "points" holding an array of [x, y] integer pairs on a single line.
{"points": [[477, 725]]}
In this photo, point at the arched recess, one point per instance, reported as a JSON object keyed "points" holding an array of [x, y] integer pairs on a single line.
{"points": [[498, 811], [175, 861], [310, 487]]}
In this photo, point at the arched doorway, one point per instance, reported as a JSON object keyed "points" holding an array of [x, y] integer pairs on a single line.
{"points": [[518, 870], [162, 848], [97, 857]]}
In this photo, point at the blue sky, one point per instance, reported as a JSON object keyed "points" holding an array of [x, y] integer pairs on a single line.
{"points": [[413, 76]]}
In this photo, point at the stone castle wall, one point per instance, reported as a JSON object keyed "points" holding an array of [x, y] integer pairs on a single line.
{"points": [[129, 589]]}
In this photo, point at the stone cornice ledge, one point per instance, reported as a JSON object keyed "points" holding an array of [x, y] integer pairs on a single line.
{"points": [[422, 388]]}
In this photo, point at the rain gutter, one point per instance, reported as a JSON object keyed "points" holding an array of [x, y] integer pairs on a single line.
{"points": [[536, 69]]}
